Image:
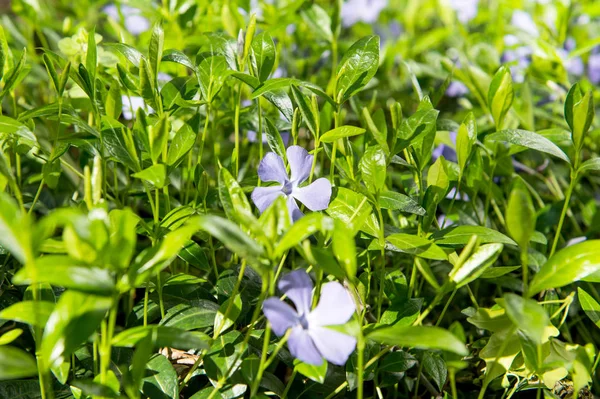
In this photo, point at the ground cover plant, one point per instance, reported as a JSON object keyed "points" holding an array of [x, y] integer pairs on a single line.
{"points": [[316, 199]]}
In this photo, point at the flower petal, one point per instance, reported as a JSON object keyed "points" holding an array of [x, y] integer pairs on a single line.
{"points": [[295, 212], [298, 286], [264, 196], [335, 306], [333, 345], [302, 347], [300, 163], [315, 196], [271, 168], [281, 315]]}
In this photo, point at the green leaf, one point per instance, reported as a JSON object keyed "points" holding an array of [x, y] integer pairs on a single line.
{"points": [[341, 132], [213, 72], [579, 113], [588, 304], [162, 381], [377, 127], [305, 109], [91, 57], [155, 175], [318, 20], [465, 140], [500, 95], [344, 249], [274, 139], [520, 215], [14, 130], [460, 235], [10, 336], [186, 317], [227, 314], [12, 78], [229, 234], [178, 57], [75, 317], [315, 373], [373, 167], [16, 363], [357, 67], [351, 208], [400, 202], [264, 55], [475, 265], [527, 315], [155, 52], [15, 230], [120, 144], [415, 245], [234, 200], [419, 337], [158, 134], [3, 52], [437, 176], [34, 313], [161, 336], [567, 266], [591, 165], [132, 54], [530, 140], [182, 143], [302, 229], [63, 271]]}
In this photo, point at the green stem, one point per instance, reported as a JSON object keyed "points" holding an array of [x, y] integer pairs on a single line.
{"points": [[563, 213], [360, 368], [237, 130]]}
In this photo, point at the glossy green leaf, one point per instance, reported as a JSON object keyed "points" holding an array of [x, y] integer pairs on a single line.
{"points": [[162, 381], [476, 264], [16, 363], [15, 230], [160, 337], [419, 337], [156, 175], [373, 167], [182, 143], [500, 95], [415, 245], [315, 373], [530, 140], [227, 314], [520, 214], [75, 317], [460, 235], [341, 132], [264, 54], [567, 266], [399, 202], [527, 315], [589, 306], [356, 68], [34, 313]]}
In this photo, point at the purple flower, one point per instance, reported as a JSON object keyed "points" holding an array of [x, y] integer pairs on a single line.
{"points": [[447, 151], [314, 196], [594, 68], [524, 22], [465, 10], [456, 89], [310, 339], [367, 11], [134, 21]]}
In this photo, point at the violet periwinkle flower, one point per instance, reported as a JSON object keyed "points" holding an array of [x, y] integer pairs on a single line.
{"points": [[524, 22], [134, 22], [465, 10], [447, 151], [310, 340], [367, 11], [252, 137], [456, 89], [314, 196], [594, 68]]}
